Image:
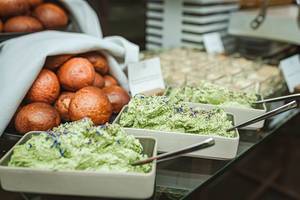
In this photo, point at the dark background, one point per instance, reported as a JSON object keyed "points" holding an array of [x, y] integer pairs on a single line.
{"points": [[122, 17]]}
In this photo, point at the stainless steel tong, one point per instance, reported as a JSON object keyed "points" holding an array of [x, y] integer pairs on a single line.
{"points": [[282, 98], [174, 154], [260, 18], [284, 108], [210, 141]]}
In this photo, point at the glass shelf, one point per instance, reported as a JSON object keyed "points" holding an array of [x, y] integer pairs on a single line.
{"points": [[179, 178]]}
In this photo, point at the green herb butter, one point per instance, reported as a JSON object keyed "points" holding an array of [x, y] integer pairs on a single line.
{"points": [[81, 146], [208, 93], [164, 114]]}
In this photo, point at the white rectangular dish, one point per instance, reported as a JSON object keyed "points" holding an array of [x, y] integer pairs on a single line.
{"points": [[241, 114], [224, 148], [82, 183]]}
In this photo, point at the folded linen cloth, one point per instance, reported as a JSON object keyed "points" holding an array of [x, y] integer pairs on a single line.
{"points": [[22, 58], [84, 17]]}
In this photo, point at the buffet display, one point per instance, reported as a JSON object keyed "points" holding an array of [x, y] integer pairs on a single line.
{"points": [[68, 88], [23, 16], [79, 90]]}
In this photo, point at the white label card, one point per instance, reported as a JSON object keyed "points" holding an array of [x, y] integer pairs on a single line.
{"points": [[213, 43], [290, 68], [145, 77]]}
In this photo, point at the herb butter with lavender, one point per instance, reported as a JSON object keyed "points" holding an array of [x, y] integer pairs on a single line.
{"points": [[160, 113], [209, 93], [81, 146]]}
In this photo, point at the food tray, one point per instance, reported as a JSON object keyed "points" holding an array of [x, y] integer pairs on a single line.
{"points": [[83, 183], [224, 148], [241, 114]]}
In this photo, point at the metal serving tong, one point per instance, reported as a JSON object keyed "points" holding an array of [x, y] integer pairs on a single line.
{"points": [[260, 18], [282, 98], [281, 109], [174, 154], [210, 141]]}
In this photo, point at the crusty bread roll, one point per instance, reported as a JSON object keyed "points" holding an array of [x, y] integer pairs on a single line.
{"points": [[98, 61], [36, 117], [117, 96], [10, 8], [51, 15], [34, 3], [109, 81], [22, 24], [1, 26], [54, 62], [90, 102], [62, 105], [45, 88], [98, 81], [76, 73]]}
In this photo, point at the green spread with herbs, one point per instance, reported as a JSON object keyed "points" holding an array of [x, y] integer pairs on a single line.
{"points": [[164, 114], [208, 93], [81, 146]]}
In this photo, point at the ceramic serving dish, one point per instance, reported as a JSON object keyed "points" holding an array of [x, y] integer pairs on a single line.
{"points": [[225, 148], [82, 183]]}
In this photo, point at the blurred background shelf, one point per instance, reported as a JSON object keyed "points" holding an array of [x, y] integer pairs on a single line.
{"points": [[280, 24]]}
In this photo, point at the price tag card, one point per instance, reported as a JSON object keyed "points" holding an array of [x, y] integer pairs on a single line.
{"points": [[290, 68], [213, 43], [145, 77]]}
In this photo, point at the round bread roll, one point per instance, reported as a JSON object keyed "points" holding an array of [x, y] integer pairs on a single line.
{"points": [[51, 15], [11, 124], [22, 24], [62, 104], [98, 81], [109, 81], [53, 62], [1, 26], [98, 60], [34, 3], [36, 117], [13, 7], [76, 73], [45, 88], [90, 102], [117, 96]]}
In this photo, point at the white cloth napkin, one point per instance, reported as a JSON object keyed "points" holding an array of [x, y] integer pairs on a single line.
{"points": [[83, 16], [21, 60]]}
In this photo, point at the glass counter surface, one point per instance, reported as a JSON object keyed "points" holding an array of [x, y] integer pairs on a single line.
{"points": [[179, 178]]}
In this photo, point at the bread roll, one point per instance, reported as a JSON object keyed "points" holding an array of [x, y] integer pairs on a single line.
{"points": [[45, 88], [117, 96], [109, 81], [22, 24], [98, 61], [51, 15], [98, 81], [10, 8], [1, 26], [62, 104], [54, 62], [36, 117], [76, 73], [90, 102], [34, 3]]}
